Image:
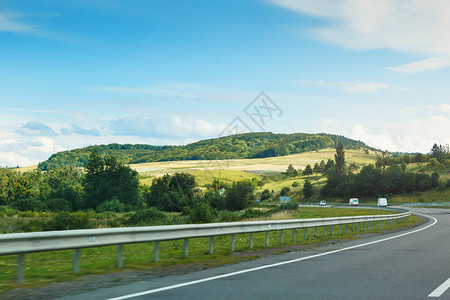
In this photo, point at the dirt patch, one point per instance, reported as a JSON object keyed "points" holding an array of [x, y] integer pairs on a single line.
{"points": [[94, 282]]}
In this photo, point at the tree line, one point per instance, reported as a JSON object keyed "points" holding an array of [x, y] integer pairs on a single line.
{"points": [[108, 185], [248, 145]]}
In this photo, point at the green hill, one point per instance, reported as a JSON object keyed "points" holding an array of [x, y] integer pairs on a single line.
{"points": [[248, 145]]}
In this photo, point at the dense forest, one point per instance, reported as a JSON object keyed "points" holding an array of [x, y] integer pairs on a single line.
{"points": [[248, 145]]}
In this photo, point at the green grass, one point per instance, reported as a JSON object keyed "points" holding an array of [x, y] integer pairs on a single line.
{"points": [[434, 195], [46, 267]]}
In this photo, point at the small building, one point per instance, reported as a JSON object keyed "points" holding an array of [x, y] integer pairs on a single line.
{"points": [[285, 199]]}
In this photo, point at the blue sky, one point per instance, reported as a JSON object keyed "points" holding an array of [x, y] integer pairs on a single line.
{"points": [[77, 73]]}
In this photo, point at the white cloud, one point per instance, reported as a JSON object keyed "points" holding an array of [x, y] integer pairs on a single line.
{"points": [[429, 64], [417, 27], [444, 108], [9, 22], [351, 86], [416, 135]]}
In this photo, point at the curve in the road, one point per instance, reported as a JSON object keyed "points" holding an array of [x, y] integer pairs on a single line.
{"points": [[170, 287]]}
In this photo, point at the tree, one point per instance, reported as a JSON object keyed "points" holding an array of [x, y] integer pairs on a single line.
{"points": [[291, 171], [339, 158], [308, 189], [240, 195], [403, 166], [107, 178], [266, 194], [285, 191], [382, 160], [330, 163], [308, 170], [316, 168], [322, 166]]}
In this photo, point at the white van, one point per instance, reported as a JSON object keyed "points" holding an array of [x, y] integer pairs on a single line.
{"points": [[353, 201], [382, 202]]}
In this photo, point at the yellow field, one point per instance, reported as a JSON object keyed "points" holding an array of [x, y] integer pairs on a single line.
{"points": [[237, 169]]}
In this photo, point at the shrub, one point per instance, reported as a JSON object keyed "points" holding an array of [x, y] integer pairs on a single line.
{"points": [[285, 191], [295, 184], [266, 194], [67, 221], [148, 216], [252, 213], [30, 204], [113, 205], [228, 216], [59, 204], [201, 213]]}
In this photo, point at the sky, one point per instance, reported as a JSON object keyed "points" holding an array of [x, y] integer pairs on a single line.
{"points": [[75, 73]]}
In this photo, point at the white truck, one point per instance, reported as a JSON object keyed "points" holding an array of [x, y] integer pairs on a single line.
{"points": [[353, 201], [382, 202]]}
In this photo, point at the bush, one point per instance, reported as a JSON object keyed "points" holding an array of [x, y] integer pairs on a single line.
{"points": [[59, 204], [285, 191], [295, 184], [228, 216], [148, 216], [201, 213], [266, 194], [30, 204], [67, 221], [252, 213], [113, 205]]}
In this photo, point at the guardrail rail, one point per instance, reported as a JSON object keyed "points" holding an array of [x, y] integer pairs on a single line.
{"points": [[23, 243]]}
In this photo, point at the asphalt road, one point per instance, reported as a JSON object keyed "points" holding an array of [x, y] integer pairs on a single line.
{"points": [[412, 264]]}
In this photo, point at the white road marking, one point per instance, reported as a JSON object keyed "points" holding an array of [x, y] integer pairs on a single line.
{"points": [[170, 287], [441, 289]]}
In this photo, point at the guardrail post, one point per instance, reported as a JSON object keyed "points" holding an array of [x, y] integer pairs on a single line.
{"points": [[353, 229], [315, 231], [364, 226], [359, 226], [324, 230], [20, 269], [293, 235], [267, 238], [306, 233], [155, 252], [120, 256], [232, 243], [340, 228], [211, 245], [347, 227], [332, 230], [185, 250], [281, 236], [76, 261], [251, 240]]}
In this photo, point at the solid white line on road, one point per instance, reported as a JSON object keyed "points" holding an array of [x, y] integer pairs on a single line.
{"points": [[170, 287], [441, 289]]}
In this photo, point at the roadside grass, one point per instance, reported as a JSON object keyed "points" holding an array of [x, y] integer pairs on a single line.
{"points": [[47, 267], [434, 195]]}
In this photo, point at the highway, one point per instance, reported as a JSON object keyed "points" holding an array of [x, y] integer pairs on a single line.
{"points": [[413, 264]]}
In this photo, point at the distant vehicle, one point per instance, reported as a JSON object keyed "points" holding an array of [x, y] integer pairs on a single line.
{"points": [[353, 201], [382, 202], [323, 203]]}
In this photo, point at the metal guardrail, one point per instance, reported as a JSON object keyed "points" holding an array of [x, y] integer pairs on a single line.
{"points": [[22, 243]]}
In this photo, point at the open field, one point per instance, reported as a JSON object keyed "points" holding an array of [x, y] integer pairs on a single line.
{"points": [[207, 170]]}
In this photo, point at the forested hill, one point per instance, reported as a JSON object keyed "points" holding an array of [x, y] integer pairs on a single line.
{"points": [[247, 145]]}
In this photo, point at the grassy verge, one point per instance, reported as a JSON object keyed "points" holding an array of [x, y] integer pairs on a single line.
{"points": [[47, 267]]}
